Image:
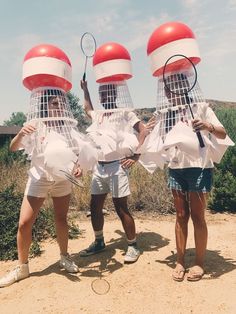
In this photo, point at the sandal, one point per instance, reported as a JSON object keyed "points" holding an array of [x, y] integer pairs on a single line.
{"points": [[178, 273], [195, 273]]}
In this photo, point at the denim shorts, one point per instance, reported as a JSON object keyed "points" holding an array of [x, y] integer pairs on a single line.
{"points": [[191, 179]]}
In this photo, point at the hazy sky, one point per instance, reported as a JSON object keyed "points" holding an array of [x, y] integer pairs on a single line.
{"points": [[24, 24]]}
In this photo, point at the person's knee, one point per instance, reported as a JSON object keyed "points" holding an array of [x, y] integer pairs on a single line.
{"points": [[97, 202], [182, 217], [25, 225], [198, 218], [94, 207], [122, 211]]}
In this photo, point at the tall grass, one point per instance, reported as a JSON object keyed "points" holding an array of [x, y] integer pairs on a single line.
{"points": [[16, 173], [148, 192]]}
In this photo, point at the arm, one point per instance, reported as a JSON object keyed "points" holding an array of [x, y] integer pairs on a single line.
{"points": [[78, 171], [142, 130], [217, 130], [16, 141], [87, 101], [142, 133]]}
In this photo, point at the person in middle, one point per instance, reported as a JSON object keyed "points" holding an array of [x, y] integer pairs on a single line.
{"points": [[116, 127]]}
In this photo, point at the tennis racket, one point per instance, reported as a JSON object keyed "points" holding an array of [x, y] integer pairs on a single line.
{"points": [[177, 83], [88, 46], [72, 179]]}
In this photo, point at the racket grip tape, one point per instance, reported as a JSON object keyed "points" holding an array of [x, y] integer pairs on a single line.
{"points": [[200, 139], [84, 77]]}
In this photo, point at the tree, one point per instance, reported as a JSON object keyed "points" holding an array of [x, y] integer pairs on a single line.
{"points": [[16, 118], [78, 112]]}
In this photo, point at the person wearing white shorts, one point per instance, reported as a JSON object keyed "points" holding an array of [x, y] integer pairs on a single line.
{"points": [[35, 193], [42, 187], [112, 177]]}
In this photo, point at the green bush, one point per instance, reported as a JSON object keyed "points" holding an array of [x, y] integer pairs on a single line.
{"points": [[10, 203], [7, 157], [224, 192], [223, 196]]}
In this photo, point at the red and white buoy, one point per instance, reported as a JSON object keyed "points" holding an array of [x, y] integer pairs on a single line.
{"points": [[167, 48], [170, 39], [112, 67], [112, 62], [47, 66], [47, 74]]}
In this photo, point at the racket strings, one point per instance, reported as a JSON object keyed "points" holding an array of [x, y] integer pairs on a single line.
{"points": [[88, 45], [173, 100]]}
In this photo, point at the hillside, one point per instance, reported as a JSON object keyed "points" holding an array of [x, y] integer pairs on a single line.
{"points": [[146, 113]]}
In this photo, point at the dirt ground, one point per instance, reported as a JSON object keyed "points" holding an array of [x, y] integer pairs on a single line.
{"points": [[106, 285]]}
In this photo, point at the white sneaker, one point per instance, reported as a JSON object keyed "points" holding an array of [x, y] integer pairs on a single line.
{"points": [[17, 274], [132, 254], [69, 265]]}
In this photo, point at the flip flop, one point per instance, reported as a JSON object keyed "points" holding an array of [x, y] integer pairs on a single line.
{"points": [[178, 273], [195, 273]]}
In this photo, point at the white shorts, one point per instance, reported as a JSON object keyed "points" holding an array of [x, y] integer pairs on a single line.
{"points": [[41, 188], [110, 177]]}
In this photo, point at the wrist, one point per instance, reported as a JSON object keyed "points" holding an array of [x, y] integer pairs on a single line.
{"points": [[135, 157], [20, 135], [211, 128]]}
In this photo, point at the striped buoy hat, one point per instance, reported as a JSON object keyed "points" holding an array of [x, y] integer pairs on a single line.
{"points": [[47, 74], [112, 67], [167, 48]]}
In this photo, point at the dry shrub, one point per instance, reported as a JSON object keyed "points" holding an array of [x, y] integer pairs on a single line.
{"points": [[14, 173], [81, 196], [149, 192]]}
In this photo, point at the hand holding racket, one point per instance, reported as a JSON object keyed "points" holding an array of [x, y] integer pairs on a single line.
{"points": [[88, 46], [178, 84]]}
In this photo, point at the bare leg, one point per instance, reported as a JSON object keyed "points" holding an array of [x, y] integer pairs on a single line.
{"points": [[97, 219], [126, 218], [181, 225], [96, 204], [61, 207], [198, 204], [29, 211]]}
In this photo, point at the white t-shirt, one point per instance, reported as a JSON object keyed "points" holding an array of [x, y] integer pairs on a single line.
{"points": [[122, 119], [28, 144], [111, 124], [36, 145], [180, 160]]}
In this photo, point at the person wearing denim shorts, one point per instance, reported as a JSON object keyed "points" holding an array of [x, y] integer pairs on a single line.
{"points": [[189, 176], [190, 182], [112, 176]]}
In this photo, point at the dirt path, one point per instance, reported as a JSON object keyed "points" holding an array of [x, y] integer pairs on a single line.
{"points": [[143, 287]]}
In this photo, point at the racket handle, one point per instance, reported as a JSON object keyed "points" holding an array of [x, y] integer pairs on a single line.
{"points": [[200, 139], [84, 77]]}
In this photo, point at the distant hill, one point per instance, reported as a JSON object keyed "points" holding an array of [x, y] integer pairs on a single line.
{"points": [[145, 113], [218, 104]]}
